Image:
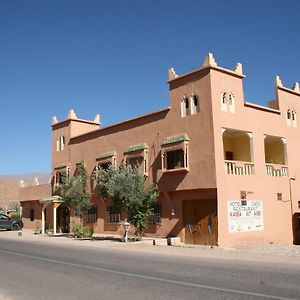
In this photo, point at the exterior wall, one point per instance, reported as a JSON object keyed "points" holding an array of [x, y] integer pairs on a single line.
{"points": [[29, 198], [26, 207], [277, 214], [153, 129]]}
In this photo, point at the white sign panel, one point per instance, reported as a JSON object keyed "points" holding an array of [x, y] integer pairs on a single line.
{"points": [[243, 218]]}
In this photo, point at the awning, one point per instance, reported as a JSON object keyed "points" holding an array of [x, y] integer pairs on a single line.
{"points": [[134, 148], [52, 199], [106, 155], [175, 139], [60, 166]]}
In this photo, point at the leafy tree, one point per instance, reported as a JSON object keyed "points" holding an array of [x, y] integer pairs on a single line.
{"points": [[74, 191], [125, 186]]}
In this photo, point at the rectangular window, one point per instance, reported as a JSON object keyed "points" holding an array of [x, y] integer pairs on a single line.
{"points": [[175, 159], [91, 215], [135, 161], [104, 166], [60, 177], [174, 154], [112, 215], [156, 217], [31, 214]]}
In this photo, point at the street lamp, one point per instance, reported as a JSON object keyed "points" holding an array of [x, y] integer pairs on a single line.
{"points": [[126, 225], [290, 190]]}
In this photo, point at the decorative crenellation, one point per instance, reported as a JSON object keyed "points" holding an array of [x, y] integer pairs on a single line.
{"points": [[97, 118], [72, 114], [21, 183], [239, 68], [54, 120], [172, 73], [36, 181], [296, 87], [278, 81], [210, 61]]}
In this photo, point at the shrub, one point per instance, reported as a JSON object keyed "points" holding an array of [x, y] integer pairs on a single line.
{"points": [[81, 231]]}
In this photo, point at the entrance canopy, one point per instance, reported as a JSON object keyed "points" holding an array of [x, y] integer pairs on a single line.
{"points": [[52, 199], [56, 201]]}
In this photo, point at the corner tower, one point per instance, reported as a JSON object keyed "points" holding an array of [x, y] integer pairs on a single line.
{"points": [[63, 131]]}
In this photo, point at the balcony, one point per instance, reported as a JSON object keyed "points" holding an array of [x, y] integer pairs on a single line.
{"points": [[238, 157], [275, 156], [277, 170], [239, 167]]}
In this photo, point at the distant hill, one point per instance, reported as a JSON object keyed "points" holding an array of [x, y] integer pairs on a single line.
{"points": [[28, 178], [9, 185]]}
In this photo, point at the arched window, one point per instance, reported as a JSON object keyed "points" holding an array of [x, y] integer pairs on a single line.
{"points": [[195, 107], [58, 144], [231, 103], [294, 119], [185, 107], [288, 117], [186, 102], [62, 143], [224, 98], [224, 101]]}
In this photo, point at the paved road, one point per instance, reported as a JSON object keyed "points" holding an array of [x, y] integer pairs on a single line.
{"points": [[37, 270]]}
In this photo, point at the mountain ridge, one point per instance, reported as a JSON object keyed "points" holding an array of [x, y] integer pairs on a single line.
{"points": [[10, 184]]}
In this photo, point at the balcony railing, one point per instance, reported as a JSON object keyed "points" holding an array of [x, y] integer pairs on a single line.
{"points": [[277, 170], [239, 167]]}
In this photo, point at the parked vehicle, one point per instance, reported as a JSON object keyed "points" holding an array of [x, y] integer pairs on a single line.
{"points": [[9, 224]]}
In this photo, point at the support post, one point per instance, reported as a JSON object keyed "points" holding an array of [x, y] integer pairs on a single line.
{"points": [[43, 220], [54, 217]]}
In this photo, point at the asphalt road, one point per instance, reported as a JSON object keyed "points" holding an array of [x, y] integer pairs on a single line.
{"points": [[36, 270]]}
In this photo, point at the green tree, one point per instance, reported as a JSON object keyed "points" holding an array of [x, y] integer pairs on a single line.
{"points": [[74, 191], [125, 186]]}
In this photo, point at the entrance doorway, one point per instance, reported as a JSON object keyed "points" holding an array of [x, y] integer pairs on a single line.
{"points": [[200, 221], [63, 219], [296, 228]]}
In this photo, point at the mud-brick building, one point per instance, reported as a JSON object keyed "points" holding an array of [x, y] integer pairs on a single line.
{"points": [[227, 170]]}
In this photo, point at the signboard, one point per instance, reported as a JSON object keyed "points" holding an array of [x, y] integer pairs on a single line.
{"points": [[245, 216]]}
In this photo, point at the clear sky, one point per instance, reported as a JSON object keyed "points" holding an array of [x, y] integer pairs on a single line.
{"points": [[111, 57]]}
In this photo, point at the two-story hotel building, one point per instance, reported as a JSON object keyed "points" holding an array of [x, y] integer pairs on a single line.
{"points": [[227, 170]]}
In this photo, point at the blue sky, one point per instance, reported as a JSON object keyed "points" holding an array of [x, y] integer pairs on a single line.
{"points": [[111, 57]]}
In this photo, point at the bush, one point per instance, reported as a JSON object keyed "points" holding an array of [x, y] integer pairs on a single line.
{"points": [[81, 231]]}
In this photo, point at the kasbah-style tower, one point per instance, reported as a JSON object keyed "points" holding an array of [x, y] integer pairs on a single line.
{"points": [[226, 169]]}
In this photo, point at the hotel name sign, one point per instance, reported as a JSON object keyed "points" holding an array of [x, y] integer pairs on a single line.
{"points": [[245, 216]]}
